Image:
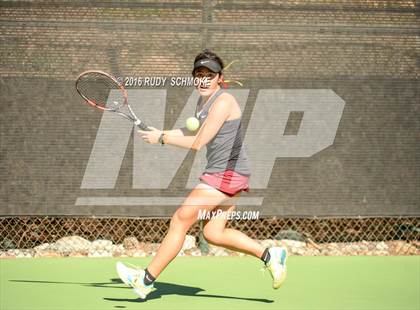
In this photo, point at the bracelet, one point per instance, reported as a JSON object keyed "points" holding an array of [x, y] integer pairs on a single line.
{"points": [[161, 139]]}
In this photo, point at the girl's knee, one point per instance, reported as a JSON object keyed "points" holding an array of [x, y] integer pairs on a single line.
{"points": [[182, 218], [213, 235]]}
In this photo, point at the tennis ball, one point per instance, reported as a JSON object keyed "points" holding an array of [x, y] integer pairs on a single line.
{"points": [[192, 123]]}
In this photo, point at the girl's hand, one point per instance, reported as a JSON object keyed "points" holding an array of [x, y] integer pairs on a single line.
{"points": [[151, 136]]}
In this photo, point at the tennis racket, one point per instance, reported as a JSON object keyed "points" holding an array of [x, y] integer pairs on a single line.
{"points": [[95, 87]]}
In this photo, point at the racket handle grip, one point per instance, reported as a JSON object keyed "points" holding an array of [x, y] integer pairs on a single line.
{"points": [[142, 125]]}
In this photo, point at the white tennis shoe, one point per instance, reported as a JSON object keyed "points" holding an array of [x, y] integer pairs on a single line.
{"points": [[277, 265], [134, 278]]}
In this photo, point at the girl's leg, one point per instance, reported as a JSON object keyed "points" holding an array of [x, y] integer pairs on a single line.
{"points": [[202, 197], [215, 232]]}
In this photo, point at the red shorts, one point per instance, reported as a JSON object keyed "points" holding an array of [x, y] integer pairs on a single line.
{"points": [[228, 182]]}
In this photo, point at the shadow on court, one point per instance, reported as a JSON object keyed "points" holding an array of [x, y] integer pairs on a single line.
{"points": [[162, 289]]}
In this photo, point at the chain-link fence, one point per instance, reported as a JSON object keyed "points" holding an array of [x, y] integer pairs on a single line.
{"points": [[29, 232]]}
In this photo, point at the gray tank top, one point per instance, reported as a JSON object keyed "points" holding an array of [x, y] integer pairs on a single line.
{"points": [[226, 151]]}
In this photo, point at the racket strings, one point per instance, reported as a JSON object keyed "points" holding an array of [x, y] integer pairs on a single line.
{"points": [[101, 90]]}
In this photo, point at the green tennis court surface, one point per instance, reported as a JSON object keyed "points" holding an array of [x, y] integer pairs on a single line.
{"points": [[214, 283]]}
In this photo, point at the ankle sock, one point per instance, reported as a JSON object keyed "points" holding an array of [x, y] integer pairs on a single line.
{"points": [[148, 278], [265, 257]]}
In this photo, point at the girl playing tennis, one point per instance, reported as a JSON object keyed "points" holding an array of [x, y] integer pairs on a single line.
{"points": [[225, 176]]}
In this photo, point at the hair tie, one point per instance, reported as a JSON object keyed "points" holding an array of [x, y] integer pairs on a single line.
{"points": [[225, 83]]}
